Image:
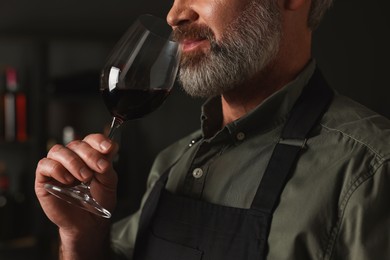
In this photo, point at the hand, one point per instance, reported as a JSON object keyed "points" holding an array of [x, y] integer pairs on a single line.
{"points": [[86, 160]]}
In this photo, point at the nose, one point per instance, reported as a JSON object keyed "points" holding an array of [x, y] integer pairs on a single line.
{"points": [[181, 13]]}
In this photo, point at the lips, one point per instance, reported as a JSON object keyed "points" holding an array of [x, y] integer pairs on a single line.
{"points": [[193, 38], [189, 45]]}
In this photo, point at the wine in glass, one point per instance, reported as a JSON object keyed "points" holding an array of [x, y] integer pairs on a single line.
{"points": [[137, 78]]}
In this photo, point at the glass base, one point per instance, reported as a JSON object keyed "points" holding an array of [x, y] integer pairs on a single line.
{"points": [[79, 196]]}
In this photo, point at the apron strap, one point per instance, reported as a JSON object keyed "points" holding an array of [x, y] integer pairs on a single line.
{"points": [[305, 114]]}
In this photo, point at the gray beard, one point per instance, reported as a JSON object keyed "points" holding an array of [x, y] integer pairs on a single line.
{"points": [[250, 43]]}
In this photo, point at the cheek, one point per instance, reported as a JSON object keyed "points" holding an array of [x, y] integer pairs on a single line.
{"points": [[218, 14]]}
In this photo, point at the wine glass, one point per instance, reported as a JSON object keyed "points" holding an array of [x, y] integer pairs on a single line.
{"points": [[137, 78]]}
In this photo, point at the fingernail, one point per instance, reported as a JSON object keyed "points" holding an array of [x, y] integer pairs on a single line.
{"points": [[105, 145], [103, 164], [84, 172]]}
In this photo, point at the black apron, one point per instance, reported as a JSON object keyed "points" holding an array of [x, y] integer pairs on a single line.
{"points": [[175, 227]]}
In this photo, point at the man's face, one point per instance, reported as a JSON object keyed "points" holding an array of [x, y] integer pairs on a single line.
{"points": [[224, 42]]}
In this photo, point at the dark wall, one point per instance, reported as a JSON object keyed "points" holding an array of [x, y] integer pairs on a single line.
{"points": [[352, 46]]}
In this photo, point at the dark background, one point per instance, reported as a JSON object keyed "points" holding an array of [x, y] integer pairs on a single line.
{"points": [[58, 48]]}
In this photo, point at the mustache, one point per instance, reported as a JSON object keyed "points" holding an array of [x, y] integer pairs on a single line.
{"points": [[193, 32]]}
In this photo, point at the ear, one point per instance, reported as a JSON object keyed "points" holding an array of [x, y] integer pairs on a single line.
{"points": [[293, 5]]}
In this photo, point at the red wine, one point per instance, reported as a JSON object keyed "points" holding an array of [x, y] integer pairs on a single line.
{"points": [[128, 104]]}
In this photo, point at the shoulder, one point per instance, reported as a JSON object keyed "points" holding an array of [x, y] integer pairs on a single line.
{"points": [[355, 123], [354, 149]]}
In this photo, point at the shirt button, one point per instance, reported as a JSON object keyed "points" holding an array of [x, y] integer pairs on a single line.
{"points": [[197, 173], [240, 136]]}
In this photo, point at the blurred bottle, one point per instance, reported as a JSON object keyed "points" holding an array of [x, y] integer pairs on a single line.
{"points": [[2, 112], [15, 107], [68, 135]]}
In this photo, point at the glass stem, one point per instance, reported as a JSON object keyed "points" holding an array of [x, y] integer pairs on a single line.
{"points": [[116, 122], [86, 184]]}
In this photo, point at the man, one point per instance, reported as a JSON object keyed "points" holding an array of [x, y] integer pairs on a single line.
{"points": [[282, 167]]}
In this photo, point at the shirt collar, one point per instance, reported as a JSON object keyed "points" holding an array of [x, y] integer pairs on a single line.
{"points": [[270, 113]]}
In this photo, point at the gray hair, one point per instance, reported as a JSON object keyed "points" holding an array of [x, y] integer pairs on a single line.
{"points": [[317, 10]]}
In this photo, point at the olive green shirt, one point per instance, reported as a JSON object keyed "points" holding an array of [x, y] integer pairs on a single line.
{"points": [[335, 206]]}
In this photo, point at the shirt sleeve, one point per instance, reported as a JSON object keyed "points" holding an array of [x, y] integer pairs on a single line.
{"points": [[364, 227], [123, 234]]}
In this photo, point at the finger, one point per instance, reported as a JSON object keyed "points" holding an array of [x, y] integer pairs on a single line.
{"points": [[100, 142], [50, 169], [103, 144], [94, 159], [71, 162]]}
